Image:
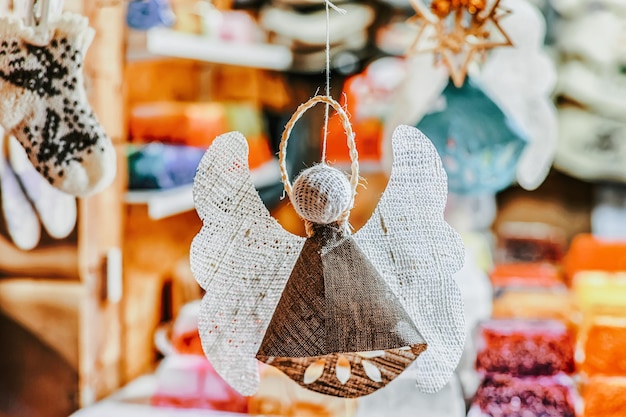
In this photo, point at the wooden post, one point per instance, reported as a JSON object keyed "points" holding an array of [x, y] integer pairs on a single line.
{"points": [[100, 221]]}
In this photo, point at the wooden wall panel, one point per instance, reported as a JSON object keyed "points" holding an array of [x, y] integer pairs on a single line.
{"points": [[47, 308], [36, 380], [153, 251]]}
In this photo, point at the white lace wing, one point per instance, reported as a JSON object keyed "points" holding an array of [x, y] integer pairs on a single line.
{"points": [[241, 257], [417, 253]]}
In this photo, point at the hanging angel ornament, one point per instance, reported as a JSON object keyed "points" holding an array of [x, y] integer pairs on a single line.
{"points": [[339, 313]]}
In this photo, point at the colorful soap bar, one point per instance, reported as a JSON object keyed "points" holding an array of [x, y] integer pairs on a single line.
{"points": [[597, 289], [588, 253], [186, 123], [605, 397], [518, 274], [604, 344], [524, 347], [507, 396], [160, 166], [536, 304]]}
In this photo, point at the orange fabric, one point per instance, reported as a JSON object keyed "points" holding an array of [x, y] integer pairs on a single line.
{"points": [[196, 124], [192, 124], [260, 151], [586, 253]]}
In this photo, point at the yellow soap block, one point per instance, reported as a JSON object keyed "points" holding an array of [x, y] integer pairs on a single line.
{"points": [[596, 288]]}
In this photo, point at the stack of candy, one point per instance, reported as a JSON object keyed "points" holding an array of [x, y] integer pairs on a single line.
{"points": [[526, 366], [526, 351], [597, 270], [532, 291], [556, 341], [504, 395]]}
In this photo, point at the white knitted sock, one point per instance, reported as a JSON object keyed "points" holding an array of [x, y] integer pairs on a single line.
{"points": [[44, 104], [20, 218]]}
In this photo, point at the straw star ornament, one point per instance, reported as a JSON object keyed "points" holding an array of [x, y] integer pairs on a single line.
{"points": [[456, 31]]}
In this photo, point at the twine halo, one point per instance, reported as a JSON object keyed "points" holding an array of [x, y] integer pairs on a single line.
{"points": [[345, 121]]}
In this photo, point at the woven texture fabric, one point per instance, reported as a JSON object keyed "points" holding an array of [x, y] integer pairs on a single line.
{"points": [[321, 194], [336, 301], [417, 252], [44, 104], [364, 373], [242, 257], [337, 305]]}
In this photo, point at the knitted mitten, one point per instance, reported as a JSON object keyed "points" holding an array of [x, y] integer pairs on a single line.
{"points": [[56, 209], [44, 104]]}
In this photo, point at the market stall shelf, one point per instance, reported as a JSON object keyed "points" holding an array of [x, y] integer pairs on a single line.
{"points": [[170, 43]]}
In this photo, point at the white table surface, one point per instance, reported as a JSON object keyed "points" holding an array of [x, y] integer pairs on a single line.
{"points": [[134, 401]]}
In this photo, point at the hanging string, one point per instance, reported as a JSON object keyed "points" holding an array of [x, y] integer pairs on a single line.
{"points": [[329, 5]]}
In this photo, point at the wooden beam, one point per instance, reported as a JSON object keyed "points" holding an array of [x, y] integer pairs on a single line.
{"points": [[100, 222]]}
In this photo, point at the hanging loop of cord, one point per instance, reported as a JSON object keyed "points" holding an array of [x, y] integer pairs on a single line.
{"points": [[354, 156], [37, 14]]}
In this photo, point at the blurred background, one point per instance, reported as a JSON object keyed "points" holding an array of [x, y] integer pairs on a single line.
{"points": [[527, 110]]}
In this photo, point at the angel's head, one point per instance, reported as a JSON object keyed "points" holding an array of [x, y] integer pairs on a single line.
{"points": [[321, 194]]}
